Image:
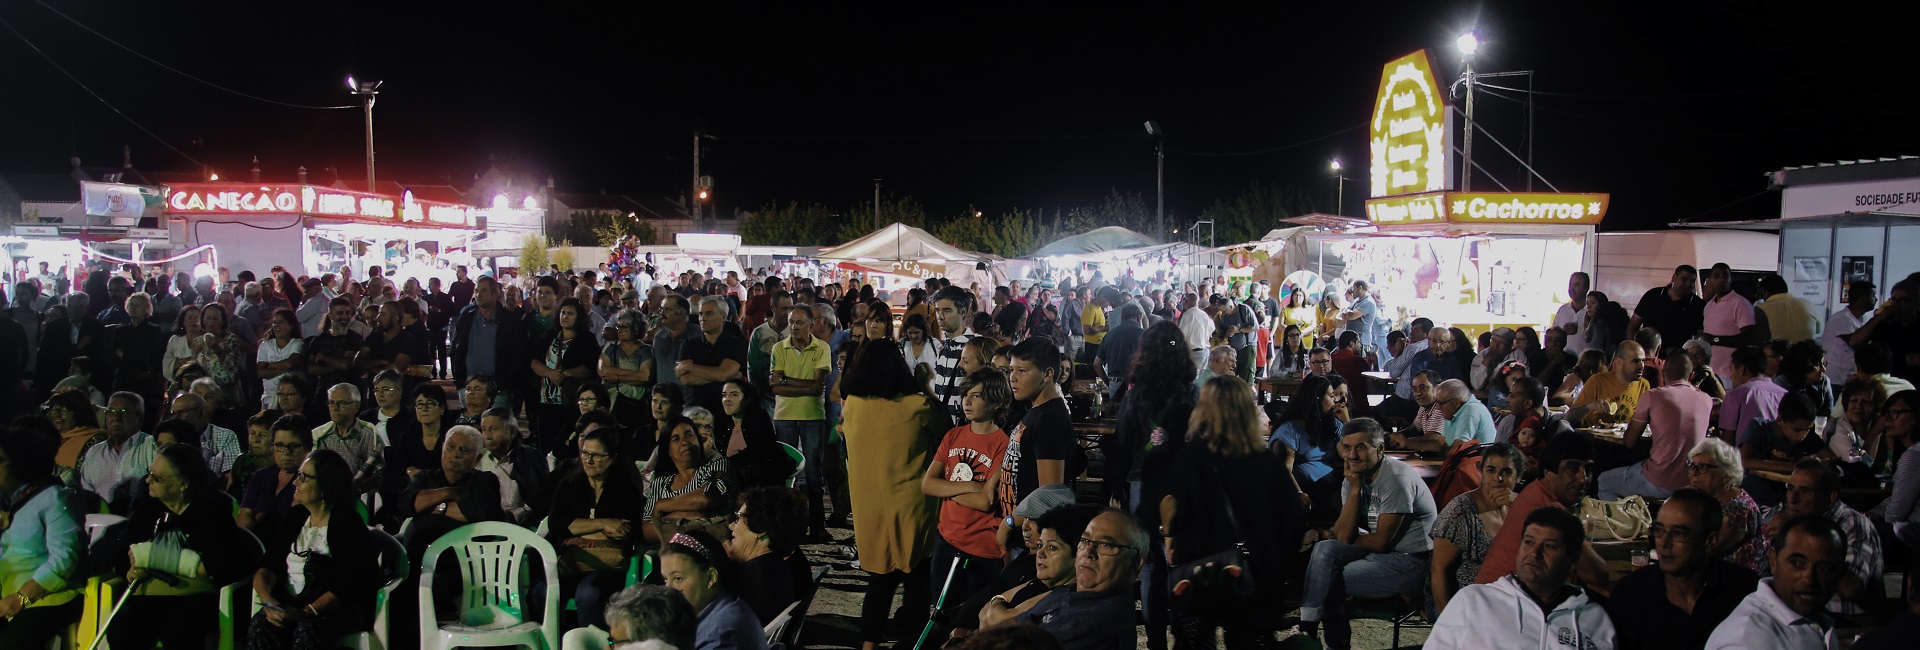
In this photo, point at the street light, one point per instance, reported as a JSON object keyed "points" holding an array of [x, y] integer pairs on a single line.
{"points": [[1340, 187], [1159, 174], [366, 91], [1468, 44]]}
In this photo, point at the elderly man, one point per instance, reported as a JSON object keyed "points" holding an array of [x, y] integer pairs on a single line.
{"points": [[520, 469], [457, 495], [1727, 321], [124, 454], [1813, 489], [1533, 603], [134, 351], [1402, 368], [1611, 397], [1220, 362], [1380, 546], [217, 443], [1441, 355], [1563, 465], [1096, 612], [1462, 418], [1678, 602], [1197, 327], [1487, 380], [1785, 612], [355, 440], [1677, 414], [710, 359], [1674, 309]]}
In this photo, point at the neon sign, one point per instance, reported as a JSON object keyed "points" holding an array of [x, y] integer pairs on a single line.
{"points": [[227, 198], [224, 199], [1489, 208], [1410, 139]]}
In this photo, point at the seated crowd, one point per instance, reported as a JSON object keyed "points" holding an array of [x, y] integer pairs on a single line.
{"points": [[677, 449]]}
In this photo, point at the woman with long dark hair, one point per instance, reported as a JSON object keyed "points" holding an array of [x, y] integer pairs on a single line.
{"points": [[1290, 358], [750, 446], [1151, 426], [689, 489], [282, 353], [890, 427], [563, 360], [1307, 439], [321, 571], [184, 344], [1224, 492]]}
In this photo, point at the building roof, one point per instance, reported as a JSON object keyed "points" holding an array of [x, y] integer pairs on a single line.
{"points": [[1846, 171]]}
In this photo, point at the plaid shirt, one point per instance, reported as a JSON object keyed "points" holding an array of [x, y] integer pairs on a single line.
{"points": [[360, 448], [947, 382], [221, 448], [1864, 557]]}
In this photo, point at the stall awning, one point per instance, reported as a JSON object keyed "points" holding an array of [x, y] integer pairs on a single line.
{"points": [[899, 242], [1098, 240]]}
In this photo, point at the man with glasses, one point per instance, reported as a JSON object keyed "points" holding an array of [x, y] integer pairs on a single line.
{"points": [[1380, 545], [1096, 612], [1676, 416], [1813, 490], [124, 454], [1678, 602], [217, 443], [1565, 465], [1611, 397], [1320, 362], [1464, 418], [355, 440]]}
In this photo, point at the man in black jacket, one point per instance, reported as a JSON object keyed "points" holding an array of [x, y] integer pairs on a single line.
{"points": [[62, 339], [501, 339]]}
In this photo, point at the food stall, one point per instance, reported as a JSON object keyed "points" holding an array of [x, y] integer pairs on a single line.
{"points": [[320, 230]]}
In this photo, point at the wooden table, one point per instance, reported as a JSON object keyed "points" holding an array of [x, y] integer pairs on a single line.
{"points": [[1606, 435], [1278, 386], [1427, 468]]}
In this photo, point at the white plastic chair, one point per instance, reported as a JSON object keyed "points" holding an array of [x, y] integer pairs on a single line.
{"points": [[585, 638], [778, 627], [491, 609], [234, 596]]}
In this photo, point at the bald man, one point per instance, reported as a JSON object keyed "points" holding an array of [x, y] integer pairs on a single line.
{"points": [[1610, 397]]}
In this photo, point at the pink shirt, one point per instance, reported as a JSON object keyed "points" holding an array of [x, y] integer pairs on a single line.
{"points": [[1758, 398], [1677, 416], [1724, 316]]}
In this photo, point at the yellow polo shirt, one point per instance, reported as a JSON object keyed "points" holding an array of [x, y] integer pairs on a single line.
{"points": [[804, 363]]}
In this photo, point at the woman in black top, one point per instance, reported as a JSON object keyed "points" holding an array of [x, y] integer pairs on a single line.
{"points": [[1224, 491], [1151, 426], [595, 520], [176, 599], [563, 360], [751, 448], [1804, 372], [766, 530], [321, 571]]}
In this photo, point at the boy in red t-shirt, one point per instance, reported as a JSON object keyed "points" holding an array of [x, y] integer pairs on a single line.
{"points": [[964, 473]]}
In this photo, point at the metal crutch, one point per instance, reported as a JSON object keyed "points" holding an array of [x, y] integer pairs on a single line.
{"points": [[131, 587], [938, 604]]}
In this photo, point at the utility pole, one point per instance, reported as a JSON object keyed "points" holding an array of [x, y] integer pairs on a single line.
{"points": [[367, 91], [1468, 44], [876, 204], [694, 205], [1159, 177]]}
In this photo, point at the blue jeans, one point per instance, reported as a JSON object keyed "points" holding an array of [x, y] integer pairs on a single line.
{"points": [[1338, 569], [810, 437], [1622, 481]]}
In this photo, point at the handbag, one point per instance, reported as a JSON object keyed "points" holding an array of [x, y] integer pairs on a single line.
{"points": [[1608, 521], [580, 556], [1217, 579]]}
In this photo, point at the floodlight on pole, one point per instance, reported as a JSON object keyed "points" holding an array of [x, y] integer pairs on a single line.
{"points": [[1159, 174], [1340, 187], [366, 91], [1468, 43]]}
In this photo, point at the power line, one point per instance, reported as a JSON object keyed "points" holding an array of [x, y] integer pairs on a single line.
{"points": [[83, 86], [1713, 93], [1711, 134], [1724, 206], [178, 71], [1271, 150]]}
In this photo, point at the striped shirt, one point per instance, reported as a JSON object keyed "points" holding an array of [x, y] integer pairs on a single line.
{"points": [[948, 384]]}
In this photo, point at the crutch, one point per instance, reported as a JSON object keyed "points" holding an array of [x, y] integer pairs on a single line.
{"points": [[938, 605], [131, 587]]}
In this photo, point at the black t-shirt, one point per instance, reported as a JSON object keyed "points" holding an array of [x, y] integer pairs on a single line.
{"points": [[334, 346], [389, 349], [1046, 433], [1901, 340], [1654, 623], [1677, 320], [702, 353]]}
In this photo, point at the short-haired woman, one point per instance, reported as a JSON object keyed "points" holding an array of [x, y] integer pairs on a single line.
{"points": [[184, 546], [1465, 527], [1714, 467], [321, 571], [39, 541], [595, 520], [693, 563], [766, 532]]}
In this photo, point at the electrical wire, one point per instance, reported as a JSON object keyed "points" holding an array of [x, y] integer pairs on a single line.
{"points": [[1724, 206], [1487, 91], [1716, 93], [178, 71], [103, 101], [1264, 151]]}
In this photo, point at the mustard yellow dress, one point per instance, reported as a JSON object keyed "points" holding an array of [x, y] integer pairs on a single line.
{"points": [[889, 445]]}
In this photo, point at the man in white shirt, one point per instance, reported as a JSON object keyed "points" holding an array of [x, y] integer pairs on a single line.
{"points": [[124, 454], [1837, 336], [1197, 327], [1568, 318], [1788, 611], [1534, 602]]}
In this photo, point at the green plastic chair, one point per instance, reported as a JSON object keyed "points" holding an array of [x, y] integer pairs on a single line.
{"points": [[799, 463]]}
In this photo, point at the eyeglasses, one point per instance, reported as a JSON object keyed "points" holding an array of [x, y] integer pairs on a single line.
{"points": [[289, 447], [1657, 532], [340, 404], [119, 411], [1108, 549], [590, 457], [1696, 468], [303, 477], [589, 400], [155, 478], [383, 390], [1897, 412], [426, 405]]}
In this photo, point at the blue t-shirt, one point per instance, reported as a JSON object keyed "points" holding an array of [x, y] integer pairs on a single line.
{"points": [[1368, 324], [1473, 421], [1309, 460]]}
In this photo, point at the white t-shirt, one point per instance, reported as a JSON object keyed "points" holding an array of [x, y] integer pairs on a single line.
{"points": [[1198, 328], [1836, 338], [1569, 316], [271, 352], [312, 541]]}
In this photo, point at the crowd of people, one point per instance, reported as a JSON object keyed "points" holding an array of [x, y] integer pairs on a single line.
{"points": [[715, 425]]}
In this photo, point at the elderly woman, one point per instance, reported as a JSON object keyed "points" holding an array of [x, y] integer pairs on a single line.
{"points": [[475, 398], [183, 549], [694, 564], [690, 488], [765, 539], [1714, 467], [1225, 493], [184, 343], [650, 617], [282, 354], [1703, 376], [390, 413], [704, 424], [321, 572], [1860, 401], [78, 421], [595, 519], [1054, 538], [221, 352], [39, 542], [626, 367], [1464, 530]]}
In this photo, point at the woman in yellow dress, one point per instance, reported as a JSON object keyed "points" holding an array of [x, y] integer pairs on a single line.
{"points": [[891, 429]]}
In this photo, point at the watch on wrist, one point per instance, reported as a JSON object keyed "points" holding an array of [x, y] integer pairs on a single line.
{"points": [[440, 509]]}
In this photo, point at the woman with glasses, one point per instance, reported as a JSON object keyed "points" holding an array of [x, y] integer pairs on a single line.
{"points": [[79, 423], [294, 396], [282, 353], [269, 492], [390, 412], [39, 580], [1223, 491], [704, 424], [1893, 434], [321, 572], [694, 564], [414, 442], [475, 398], [1290, 360], [1899, 515], [183, 549], [563, 360], [1464, 530], [595, 522], [1307, 441], [1714, 467], [690, 488], [766, 531], [626, 367], [184, 344]]}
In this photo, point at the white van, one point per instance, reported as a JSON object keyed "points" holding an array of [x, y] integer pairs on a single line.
{"points": [[1627, 264]]}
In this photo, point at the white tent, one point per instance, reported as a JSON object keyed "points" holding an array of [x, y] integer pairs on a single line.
{"points": [[897, 243], [1098, 240]]}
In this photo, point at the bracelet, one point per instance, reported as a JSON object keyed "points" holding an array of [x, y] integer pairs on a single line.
{"points": [[25, 601], [311, 611]]}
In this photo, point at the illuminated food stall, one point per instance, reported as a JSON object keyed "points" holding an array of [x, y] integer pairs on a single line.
{"points": [[320, 229]]}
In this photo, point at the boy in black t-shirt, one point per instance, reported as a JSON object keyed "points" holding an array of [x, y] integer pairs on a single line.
{"points": [[1043, 442]]}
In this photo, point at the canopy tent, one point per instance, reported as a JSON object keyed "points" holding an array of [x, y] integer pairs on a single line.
{"points": [[1110, 238], [899, 242]]}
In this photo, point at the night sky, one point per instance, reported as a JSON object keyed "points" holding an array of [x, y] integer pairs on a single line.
{"points": [[1677, 113]]}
